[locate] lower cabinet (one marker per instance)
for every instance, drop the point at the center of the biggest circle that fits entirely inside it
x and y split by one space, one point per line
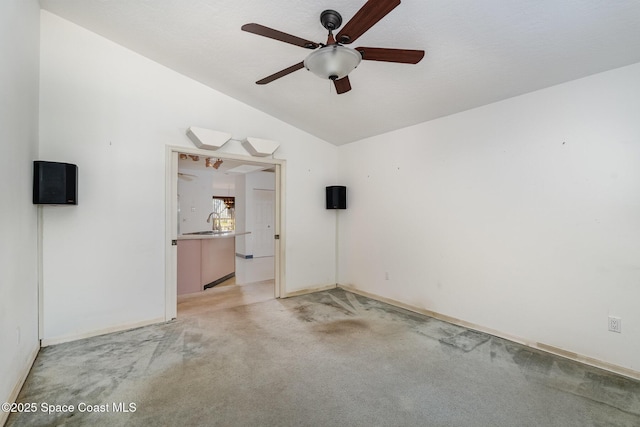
189 266
203 261
217 259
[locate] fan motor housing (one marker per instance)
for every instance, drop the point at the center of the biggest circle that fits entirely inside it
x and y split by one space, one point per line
330 19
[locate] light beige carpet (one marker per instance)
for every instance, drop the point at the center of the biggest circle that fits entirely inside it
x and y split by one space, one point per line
325 359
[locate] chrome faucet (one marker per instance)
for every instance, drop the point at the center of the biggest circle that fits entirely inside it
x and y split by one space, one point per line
217 217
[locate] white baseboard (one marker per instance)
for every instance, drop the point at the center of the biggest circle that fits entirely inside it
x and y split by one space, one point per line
309 290
18 386
539 346
74 337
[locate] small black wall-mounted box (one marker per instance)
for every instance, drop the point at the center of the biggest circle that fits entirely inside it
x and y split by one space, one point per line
337 197
55 183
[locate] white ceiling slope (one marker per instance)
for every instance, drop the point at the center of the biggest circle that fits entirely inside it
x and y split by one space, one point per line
478 52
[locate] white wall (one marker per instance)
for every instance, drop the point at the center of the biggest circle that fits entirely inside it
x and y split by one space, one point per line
19 46
106 108
521 216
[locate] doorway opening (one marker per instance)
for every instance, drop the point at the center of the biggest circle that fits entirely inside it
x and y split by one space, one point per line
224 224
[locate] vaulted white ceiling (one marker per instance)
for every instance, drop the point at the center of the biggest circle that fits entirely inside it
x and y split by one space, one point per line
477 52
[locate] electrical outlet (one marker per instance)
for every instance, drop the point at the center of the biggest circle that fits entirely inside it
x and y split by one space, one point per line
615 324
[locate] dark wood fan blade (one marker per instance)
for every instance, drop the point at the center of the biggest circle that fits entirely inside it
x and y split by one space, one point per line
342 85
365 18
279 74
404 56
261 30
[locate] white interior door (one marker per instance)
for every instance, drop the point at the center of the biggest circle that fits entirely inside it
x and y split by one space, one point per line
263 224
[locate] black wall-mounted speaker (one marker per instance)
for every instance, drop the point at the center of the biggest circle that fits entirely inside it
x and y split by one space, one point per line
337 197
55 183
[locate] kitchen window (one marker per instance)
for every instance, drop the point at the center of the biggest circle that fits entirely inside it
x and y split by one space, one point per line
224 213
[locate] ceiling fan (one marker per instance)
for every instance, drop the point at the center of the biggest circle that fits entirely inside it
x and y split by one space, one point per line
333 60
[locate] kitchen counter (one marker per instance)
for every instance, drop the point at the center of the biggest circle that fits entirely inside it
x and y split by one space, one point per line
216 235
205 260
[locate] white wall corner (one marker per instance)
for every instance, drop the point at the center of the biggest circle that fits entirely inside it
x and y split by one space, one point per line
207 139
260 147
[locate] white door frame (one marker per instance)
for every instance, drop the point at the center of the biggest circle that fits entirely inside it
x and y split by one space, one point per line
171 219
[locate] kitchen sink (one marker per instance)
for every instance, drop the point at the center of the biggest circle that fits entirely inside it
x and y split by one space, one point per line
202 233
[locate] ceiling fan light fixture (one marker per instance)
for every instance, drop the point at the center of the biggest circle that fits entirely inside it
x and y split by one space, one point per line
332 61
